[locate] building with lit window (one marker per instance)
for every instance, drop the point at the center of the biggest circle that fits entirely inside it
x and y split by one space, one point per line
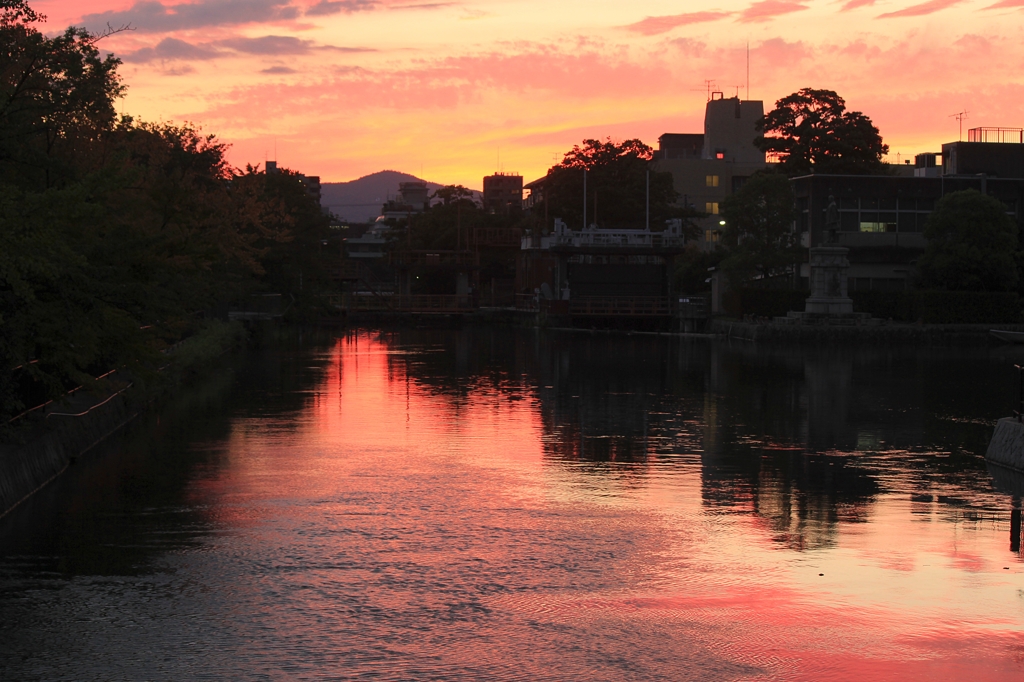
503 193
707 167
882 217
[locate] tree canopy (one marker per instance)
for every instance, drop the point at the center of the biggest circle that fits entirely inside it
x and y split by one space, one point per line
972 245
616 183
759 235
117 237
810 131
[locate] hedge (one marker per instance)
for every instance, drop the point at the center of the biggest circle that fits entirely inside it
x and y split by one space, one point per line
940 307
931 307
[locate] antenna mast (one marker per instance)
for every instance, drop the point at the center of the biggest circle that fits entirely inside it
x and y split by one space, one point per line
960 116
748 71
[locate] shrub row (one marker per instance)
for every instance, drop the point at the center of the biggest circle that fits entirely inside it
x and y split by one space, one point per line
940 307
932 307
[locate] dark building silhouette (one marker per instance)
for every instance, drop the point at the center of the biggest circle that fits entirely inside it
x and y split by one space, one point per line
882 217
503 193
707 167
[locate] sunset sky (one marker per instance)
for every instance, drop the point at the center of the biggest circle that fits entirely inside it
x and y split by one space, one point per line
343 88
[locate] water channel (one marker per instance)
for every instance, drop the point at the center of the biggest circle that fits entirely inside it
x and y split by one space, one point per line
520 505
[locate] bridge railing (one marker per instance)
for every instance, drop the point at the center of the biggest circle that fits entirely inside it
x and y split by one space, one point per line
625 306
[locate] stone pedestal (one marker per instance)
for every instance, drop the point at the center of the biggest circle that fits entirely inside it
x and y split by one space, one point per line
828 282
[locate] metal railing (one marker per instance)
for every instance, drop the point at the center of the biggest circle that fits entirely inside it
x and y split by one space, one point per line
438 257
413 303
622 306
1019 412
630 238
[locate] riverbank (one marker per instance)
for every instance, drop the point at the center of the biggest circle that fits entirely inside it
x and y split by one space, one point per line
43 443
888 333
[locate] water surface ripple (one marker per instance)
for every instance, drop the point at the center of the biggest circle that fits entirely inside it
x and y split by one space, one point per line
515 505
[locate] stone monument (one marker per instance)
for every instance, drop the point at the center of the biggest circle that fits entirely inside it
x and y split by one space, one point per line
829 302
829 266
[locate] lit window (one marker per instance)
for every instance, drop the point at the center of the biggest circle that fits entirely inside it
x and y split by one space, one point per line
711 207
712 235
711 181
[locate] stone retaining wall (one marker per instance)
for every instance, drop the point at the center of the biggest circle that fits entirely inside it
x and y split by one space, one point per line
55 443
922 334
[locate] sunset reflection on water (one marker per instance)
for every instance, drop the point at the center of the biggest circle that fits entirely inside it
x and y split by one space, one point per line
516 505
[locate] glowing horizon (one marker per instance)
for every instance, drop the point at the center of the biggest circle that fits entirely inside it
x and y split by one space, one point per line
453 91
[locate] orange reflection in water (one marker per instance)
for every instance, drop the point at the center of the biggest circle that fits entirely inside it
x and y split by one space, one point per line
437 495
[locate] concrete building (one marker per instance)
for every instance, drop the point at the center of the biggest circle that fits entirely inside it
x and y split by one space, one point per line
310 182
707 167
503 193
882 217
414 194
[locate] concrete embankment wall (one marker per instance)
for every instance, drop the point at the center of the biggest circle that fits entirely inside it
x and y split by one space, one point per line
1007 445
55 443
70 428
922 334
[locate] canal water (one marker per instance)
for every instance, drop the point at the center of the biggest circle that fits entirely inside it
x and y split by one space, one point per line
520 505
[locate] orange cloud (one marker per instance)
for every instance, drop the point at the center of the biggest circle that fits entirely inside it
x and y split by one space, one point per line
654 25
854 4
930 7
767 10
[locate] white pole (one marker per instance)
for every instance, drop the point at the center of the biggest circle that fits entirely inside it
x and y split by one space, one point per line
584 198
648 220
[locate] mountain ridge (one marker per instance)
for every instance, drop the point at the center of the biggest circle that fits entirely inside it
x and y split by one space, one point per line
361 199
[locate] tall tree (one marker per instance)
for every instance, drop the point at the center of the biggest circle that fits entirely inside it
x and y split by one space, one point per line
972 245
812 132
759 235
56 98
616 187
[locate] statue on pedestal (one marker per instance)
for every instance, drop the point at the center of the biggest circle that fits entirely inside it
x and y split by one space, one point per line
831 221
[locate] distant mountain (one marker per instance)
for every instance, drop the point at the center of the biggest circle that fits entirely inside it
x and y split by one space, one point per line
359 200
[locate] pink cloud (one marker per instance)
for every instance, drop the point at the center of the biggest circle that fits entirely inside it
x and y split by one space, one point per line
767 10
930 7
854 4
655 25
1007 4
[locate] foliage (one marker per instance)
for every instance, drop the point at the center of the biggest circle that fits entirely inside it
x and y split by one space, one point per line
812 132
117 237
616 182
971 245
692 267
759 235
940 307
764 302
449 225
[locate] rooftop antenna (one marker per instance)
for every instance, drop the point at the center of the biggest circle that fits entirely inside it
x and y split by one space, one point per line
708 84
747 90
960 116
738 90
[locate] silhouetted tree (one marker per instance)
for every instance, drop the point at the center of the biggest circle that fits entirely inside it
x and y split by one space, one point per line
812 132
616 187
759 234
972 245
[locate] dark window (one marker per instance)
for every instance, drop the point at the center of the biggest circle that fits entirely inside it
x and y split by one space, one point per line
848 204
926 204
868 204
848 222
890 221
887 204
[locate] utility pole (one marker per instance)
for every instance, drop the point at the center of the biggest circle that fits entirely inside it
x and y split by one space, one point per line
584 198
647 219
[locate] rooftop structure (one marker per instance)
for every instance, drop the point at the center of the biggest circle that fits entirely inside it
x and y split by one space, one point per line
503 193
